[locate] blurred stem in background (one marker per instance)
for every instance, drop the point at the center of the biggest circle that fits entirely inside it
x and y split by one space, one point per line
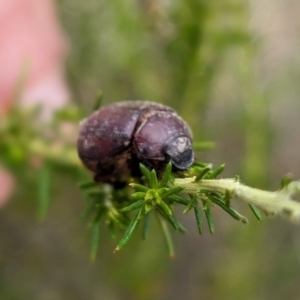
168 52
257 128
254 169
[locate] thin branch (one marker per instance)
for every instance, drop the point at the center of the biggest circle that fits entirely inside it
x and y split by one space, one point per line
277 203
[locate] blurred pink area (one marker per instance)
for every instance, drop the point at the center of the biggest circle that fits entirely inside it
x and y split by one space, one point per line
32 52
32 46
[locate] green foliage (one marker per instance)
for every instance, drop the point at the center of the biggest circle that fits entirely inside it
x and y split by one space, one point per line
22 141
125 209
35 150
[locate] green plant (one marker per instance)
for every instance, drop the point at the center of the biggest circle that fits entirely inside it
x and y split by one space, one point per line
196 189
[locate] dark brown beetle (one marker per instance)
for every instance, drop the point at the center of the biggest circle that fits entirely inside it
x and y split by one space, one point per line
115 139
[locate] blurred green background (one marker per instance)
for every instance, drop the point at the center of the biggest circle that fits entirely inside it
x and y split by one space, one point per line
231 68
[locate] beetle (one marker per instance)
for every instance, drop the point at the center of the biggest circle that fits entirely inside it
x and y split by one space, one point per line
116 138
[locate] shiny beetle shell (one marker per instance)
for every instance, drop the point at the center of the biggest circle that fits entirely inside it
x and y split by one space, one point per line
116 138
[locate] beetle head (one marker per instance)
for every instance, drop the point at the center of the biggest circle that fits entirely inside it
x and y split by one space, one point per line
180 151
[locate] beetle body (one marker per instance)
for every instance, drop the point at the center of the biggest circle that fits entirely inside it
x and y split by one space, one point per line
116 138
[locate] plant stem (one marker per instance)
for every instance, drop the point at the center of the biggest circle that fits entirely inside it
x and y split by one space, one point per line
277 203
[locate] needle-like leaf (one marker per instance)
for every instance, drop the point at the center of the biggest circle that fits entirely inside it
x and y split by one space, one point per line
168 237
229 210
146 224
213 174
166 176
129 231
202 173
190 204
256 212
153 180
138 195
145 172
165 207
209 216
179 199
94 241
133 206
98 101
285 181
198 216
139 187
172 191
171 219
